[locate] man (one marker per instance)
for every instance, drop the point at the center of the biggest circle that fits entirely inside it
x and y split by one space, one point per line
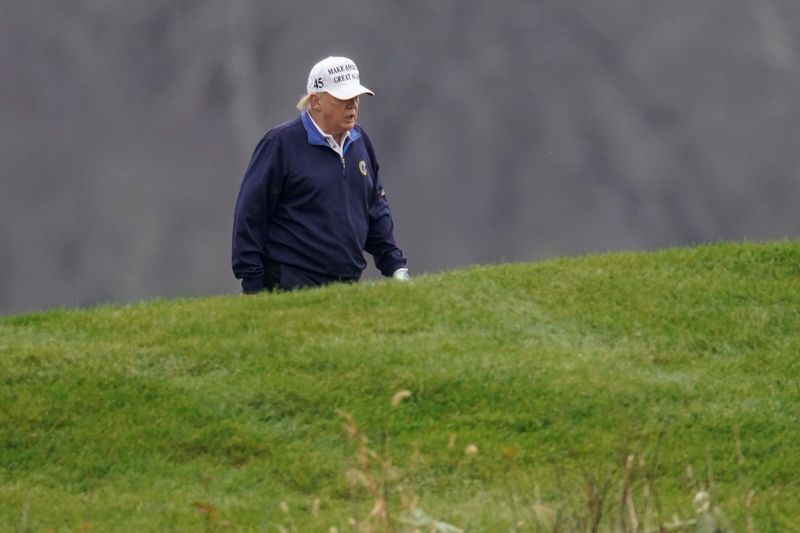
311 201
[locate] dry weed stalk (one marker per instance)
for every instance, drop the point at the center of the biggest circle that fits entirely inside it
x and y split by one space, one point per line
637 504
365 476
375 473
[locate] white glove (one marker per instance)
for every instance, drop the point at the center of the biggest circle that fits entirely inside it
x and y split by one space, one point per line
401 274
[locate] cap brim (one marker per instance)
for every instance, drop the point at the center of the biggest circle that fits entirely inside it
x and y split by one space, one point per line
346 93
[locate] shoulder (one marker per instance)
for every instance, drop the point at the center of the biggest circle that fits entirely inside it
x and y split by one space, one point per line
364 137
283 138
285 131
361 131
278 140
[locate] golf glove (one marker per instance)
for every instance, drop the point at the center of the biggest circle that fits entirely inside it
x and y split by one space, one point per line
401 274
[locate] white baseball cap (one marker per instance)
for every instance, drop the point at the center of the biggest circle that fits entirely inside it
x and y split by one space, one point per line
337 76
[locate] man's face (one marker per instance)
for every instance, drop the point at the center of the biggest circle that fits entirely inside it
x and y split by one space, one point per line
335 116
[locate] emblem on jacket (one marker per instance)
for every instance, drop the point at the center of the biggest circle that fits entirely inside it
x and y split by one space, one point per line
362 166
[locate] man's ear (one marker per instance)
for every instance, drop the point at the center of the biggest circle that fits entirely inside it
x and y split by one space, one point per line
314 101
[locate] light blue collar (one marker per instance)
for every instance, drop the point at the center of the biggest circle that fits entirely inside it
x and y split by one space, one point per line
316 138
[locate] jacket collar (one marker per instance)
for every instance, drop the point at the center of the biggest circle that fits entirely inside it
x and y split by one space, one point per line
316 138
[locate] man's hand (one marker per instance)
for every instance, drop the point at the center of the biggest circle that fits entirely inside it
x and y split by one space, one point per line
401 274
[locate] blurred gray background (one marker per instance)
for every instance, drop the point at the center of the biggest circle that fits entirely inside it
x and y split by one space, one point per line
506 130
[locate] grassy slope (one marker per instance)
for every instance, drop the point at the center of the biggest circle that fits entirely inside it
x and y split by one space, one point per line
120 418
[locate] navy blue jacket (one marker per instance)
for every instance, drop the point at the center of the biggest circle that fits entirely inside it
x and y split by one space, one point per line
301 204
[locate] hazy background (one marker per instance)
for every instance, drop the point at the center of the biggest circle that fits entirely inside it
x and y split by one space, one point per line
506 130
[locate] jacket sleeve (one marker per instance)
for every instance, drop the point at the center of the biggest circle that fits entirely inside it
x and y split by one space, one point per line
254 205
381 243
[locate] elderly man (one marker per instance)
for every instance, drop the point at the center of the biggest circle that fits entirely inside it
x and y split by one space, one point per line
311 201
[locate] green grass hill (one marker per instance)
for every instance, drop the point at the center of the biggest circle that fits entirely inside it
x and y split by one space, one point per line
658 391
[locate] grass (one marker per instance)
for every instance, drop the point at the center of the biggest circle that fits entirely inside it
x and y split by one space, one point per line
539 395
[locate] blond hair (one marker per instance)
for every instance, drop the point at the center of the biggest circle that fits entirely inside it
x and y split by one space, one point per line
303 103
